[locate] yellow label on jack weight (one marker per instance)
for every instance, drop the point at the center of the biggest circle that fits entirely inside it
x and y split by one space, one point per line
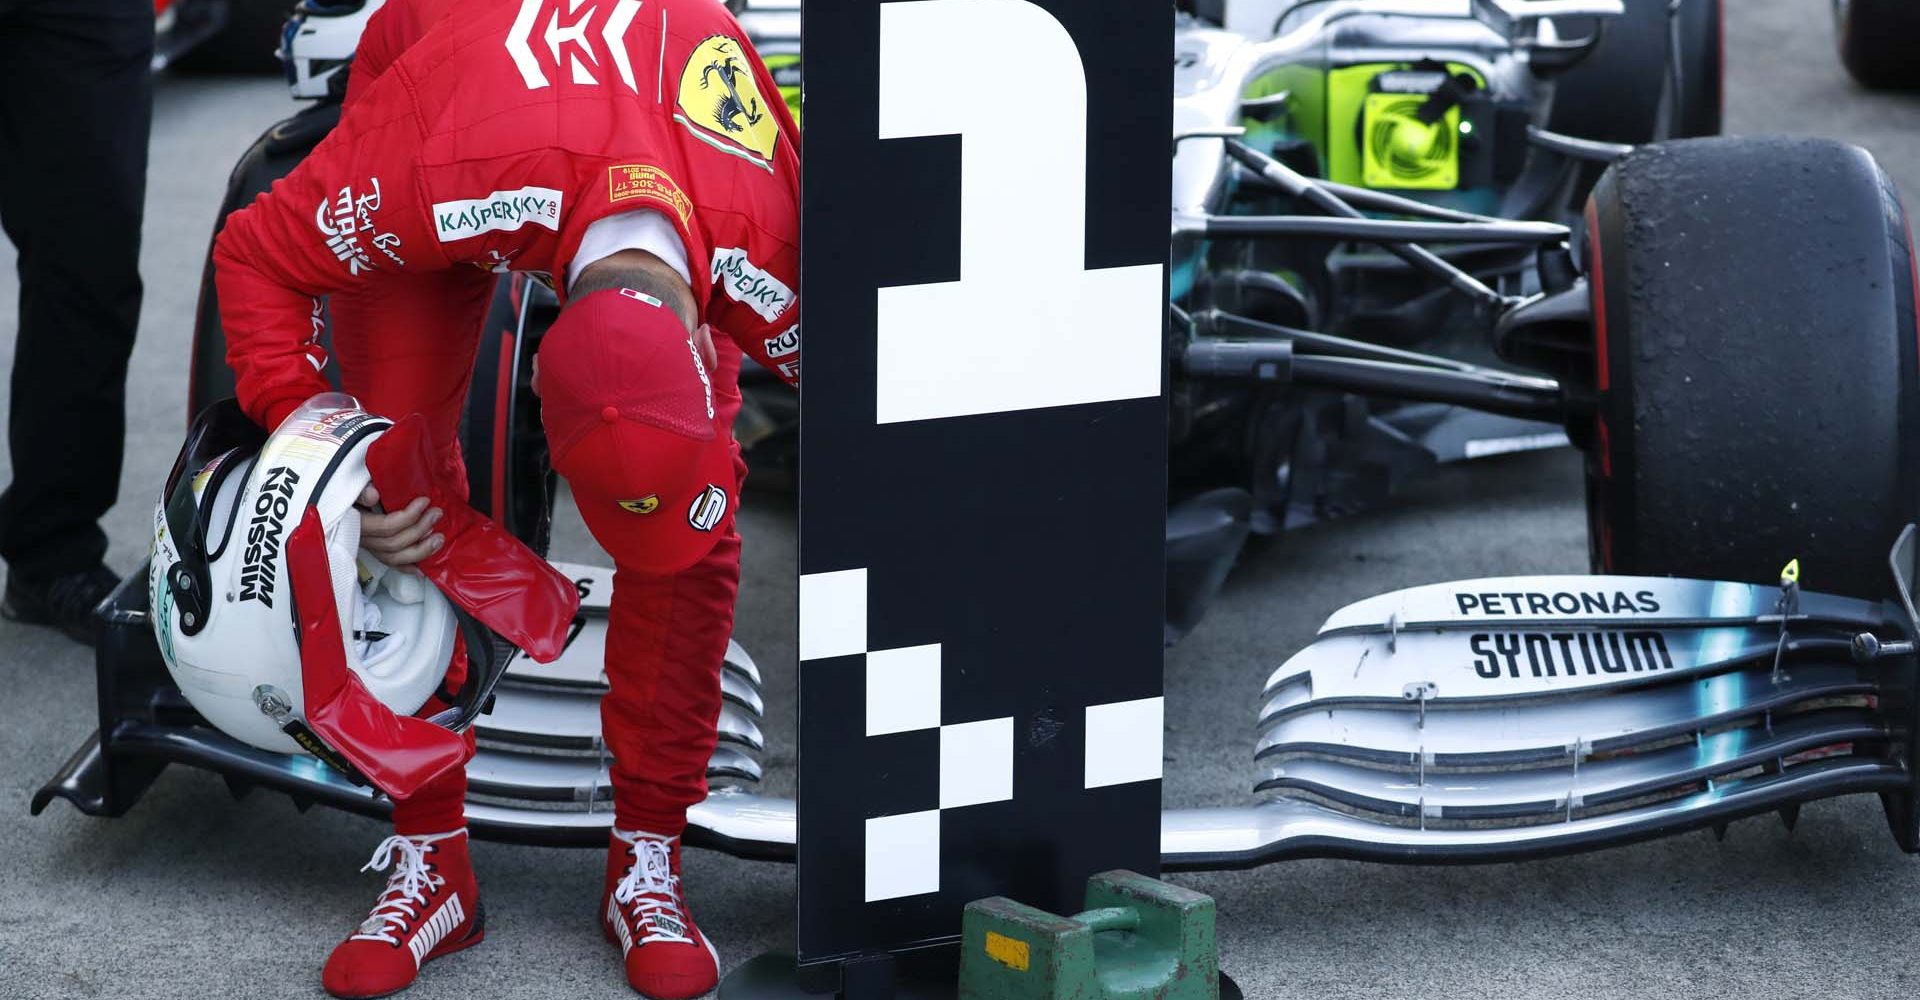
1009 952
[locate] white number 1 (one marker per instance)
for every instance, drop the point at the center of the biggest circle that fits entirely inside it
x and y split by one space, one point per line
1027 325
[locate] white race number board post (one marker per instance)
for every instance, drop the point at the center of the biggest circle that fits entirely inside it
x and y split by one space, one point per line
983 460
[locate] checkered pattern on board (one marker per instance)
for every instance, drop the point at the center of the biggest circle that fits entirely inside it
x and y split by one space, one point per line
976 757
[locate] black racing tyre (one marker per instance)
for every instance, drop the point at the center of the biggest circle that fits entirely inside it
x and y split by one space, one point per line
1703 69
502 440
1614 94
1877 41
1757 364
246 43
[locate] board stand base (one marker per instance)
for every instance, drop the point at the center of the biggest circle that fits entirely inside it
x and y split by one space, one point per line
775 976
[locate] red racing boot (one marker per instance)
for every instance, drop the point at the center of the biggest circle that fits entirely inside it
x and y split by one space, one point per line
431 908
667 957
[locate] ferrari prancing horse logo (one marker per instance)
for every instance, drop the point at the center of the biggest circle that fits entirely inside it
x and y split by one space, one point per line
720 103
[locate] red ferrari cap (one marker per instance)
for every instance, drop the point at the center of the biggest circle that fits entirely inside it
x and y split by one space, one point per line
629 413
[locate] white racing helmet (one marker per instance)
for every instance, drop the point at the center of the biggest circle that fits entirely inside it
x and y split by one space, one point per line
319 40
222 598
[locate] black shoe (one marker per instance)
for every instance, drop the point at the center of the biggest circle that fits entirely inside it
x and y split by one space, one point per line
64 602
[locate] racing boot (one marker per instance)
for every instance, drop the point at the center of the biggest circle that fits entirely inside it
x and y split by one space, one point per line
642 910
431 908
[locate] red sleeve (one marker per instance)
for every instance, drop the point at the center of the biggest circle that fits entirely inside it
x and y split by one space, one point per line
354 214
371 322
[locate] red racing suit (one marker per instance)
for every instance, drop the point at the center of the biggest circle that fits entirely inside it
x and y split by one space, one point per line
482 137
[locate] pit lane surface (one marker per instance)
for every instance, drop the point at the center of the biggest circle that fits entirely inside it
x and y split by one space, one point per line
195 895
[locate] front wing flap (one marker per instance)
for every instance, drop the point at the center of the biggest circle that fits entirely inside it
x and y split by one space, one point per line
1512 717
540 774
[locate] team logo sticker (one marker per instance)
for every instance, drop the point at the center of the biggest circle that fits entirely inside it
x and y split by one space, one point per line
720 104
497 262
164 613
650 183
747 284
645 505
259 567
785 344
499 212
578 46
707 509
347 218
336 426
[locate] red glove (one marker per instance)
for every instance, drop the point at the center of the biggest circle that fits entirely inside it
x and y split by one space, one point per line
482 568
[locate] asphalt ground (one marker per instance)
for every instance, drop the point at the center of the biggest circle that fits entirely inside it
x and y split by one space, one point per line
196 895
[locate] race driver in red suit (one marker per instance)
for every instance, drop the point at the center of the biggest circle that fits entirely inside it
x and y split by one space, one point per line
628 151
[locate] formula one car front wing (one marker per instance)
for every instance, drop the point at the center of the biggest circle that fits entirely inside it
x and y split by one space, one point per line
539 776
1484 720
1499 719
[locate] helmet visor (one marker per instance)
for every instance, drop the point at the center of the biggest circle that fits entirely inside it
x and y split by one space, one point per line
220 429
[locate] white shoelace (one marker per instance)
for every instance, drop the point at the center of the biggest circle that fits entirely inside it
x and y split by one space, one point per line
407 887
652 892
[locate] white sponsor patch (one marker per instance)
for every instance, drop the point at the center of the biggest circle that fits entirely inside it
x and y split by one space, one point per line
499 212
707 508
745 283
785 344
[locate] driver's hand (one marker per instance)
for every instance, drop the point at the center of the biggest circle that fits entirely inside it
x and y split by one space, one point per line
403 537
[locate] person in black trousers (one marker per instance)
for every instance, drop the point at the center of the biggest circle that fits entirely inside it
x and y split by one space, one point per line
76 104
